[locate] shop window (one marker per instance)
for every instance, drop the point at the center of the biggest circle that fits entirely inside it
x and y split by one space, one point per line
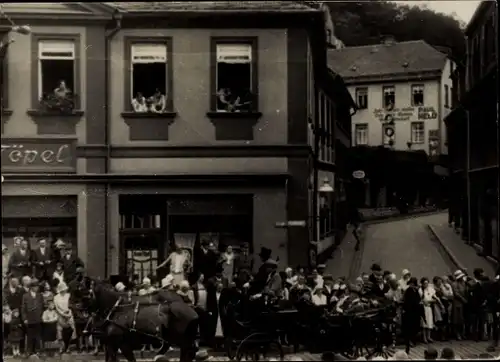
32 229
361 134
56 74
362 98
148 85
417 95
417 132
389 97
234 77
134 221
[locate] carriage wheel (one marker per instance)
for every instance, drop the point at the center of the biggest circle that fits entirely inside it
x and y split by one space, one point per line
259 345
229 345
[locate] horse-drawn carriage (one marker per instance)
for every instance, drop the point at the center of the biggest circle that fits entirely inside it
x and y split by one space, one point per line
255 328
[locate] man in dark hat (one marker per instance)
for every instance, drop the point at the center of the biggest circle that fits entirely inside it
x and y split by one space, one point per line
260 279
70 263
31 312
205 259
274 284
477 304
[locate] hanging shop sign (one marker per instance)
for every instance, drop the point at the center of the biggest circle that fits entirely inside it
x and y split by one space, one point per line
389 131
396 114
427 113
38 155
359 174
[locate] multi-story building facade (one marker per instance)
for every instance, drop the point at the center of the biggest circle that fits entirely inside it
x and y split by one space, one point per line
473 135
199 128
403 93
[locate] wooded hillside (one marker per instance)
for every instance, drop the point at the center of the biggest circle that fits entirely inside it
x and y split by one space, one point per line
369 22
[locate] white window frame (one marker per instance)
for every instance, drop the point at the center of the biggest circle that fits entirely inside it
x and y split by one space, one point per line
362 91
145 53
360 130
55 50
233 53
390 89
417 132
416 88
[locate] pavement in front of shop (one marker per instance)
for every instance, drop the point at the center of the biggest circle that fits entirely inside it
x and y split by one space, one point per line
463 349
462 255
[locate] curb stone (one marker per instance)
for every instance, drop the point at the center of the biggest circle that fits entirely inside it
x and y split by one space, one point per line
446 249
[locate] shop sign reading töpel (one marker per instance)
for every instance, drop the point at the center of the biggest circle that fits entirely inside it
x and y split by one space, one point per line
38 155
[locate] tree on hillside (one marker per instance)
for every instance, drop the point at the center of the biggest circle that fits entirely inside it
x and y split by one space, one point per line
369 22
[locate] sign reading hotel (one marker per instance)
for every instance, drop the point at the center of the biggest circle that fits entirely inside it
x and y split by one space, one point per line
38 155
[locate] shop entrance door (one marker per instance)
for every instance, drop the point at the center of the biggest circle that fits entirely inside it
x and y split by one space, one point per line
141 253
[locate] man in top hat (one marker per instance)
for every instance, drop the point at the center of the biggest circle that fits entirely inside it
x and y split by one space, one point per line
42 260
260 279
70 263
31 311
20 260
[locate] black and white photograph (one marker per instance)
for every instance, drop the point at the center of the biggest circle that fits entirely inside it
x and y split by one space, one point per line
250 181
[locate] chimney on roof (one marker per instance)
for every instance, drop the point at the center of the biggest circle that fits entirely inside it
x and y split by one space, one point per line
389 40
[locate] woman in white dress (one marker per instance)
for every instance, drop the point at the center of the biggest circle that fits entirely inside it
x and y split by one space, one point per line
228 266
428 295
65 323
177 260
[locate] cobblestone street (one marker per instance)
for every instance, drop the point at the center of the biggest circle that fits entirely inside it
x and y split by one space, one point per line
404 244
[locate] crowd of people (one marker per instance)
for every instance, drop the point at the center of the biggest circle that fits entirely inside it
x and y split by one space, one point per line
40 307
41 288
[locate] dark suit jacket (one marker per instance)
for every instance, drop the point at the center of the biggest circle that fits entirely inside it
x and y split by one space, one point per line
274 285
16 259
13 299
206 263
70 265
243 266
37 256
32 308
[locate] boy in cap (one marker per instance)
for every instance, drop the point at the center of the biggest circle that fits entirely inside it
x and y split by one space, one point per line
32 309
71 262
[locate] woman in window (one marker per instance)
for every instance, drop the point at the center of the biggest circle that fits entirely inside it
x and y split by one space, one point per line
62 91
158 102
139 103
224 98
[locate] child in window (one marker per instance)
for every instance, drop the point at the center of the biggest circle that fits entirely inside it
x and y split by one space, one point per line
139 103
16 333
49 330
158 102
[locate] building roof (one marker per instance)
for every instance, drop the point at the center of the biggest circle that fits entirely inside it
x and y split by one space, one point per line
380 59
223 6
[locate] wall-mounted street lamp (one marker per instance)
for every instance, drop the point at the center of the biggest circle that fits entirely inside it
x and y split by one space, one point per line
409 144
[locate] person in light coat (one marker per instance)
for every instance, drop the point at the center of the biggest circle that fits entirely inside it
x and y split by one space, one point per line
147 288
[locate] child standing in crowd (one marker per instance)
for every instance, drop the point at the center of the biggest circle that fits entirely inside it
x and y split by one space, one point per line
47 294
59 272
6 319
16 333
49 328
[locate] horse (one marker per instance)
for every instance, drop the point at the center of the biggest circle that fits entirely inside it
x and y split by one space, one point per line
125 323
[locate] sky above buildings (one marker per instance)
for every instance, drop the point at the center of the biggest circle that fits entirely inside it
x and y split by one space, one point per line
462 9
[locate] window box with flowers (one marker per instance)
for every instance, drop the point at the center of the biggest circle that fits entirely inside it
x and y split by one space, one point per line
56 105
234 103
